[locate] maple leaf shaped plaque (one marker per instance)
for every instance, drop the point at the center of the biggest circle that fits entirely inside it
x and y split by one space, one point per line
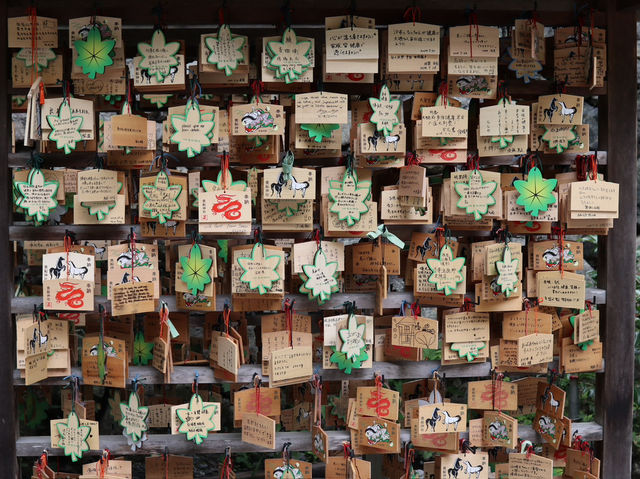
536 193
41 59
158 57
321 277
290 58
507 272
476 195
65 128
38 197
198 419
446 271
385 111
134 418
259 270
73 437
348 198
191 131
161 198
94 53
196 269
225 50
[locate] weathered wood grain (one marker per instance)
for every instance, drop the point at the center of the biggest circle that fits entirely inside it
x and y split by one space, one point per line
8 414
216 443
618 274
363 301
399 370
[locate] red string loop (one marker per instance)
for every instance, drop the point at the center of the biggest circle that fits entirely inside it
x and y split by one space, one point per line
473 22
288 311
41 465
226 314
257 87
411 14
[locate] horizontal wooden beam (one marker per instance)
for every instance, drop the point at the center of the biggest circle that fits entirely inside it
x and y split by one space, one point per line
216 443
363 301
400 370
21 159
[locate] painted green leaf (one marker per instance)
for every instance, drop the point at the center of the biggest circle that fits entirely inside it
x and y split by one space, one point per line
584 345
347 365
318 131
503 141
288 207
157 99
94 53
536 193
196 269
142 351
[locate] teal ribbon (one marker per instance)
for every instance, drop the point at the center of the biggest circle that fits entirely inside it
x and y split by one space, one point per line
383 232
172 329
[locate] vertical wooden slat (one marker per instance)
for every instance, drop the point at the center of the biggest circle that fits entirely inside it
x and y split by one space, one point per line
619 275
8 426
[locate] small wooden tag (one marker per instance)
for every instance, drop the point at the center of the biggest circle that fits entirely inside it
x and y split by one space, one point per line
369 404
527 466
550 428
499 429
129 130
535 348
132 298
379 433
443 417
497 395
259 430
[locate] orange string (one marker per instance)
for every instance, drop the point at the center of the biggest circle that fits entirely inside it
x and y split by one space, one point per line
164 318
408 460
226 314
42 465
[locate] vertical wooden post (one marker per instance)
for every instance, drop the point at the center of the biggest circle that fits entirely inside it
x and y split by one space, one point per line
619 272
8 419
